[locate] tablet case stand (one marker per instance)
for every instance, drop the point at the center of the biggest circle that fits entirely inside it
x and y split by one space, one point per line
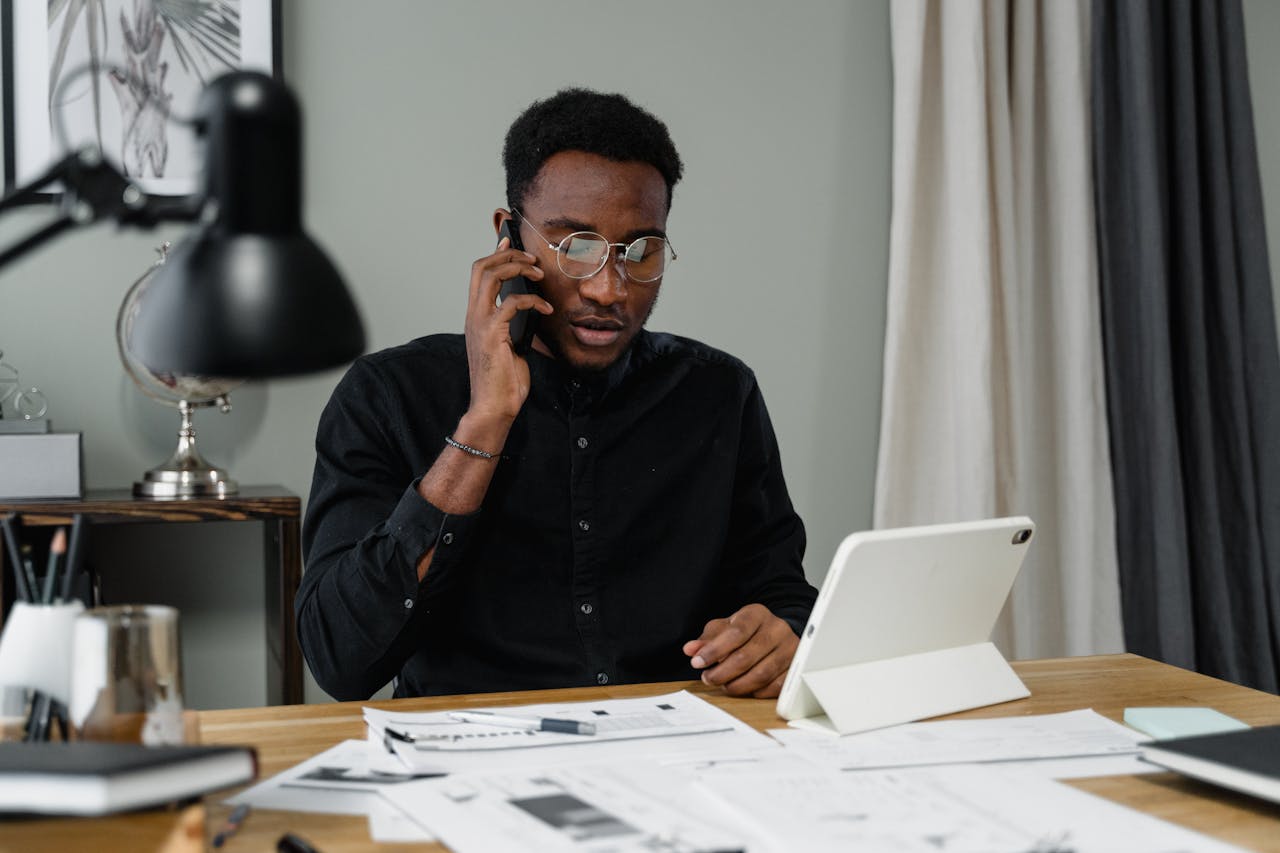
863 696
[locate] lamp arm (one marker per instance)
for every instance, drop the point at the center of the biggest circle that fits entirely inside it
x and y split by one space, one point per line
94 190
26 244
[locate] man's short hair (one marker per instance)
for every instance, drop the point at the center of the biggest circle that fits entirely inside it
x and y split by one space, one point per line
582 120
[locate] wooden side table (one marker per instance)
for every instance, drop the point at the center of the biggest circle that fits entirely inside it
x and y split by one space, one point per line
279 510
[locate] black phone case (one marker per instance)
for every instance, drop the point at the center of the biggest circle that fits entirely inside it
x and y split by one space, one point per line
522 324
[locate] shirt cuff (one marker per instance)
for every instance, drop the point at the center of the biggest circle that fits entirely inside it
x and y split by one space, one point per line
417 525
797 620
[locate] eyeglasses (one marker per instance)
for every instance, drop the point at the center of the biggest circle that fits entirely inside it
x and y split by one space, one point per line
584 253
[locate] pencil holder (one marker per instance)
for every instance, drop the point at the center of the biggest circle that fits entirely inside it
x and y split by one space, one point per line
35 648
127 678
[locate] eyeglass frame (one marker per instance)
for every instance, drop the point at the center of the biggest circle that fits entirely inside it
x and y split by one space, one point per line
559 249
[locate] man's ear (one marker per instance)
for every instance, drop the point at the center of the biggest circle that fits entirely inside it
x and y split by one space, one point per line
500 216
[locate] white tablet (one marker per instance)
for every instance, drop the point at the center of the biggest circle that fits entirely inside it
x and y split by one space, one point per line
901 628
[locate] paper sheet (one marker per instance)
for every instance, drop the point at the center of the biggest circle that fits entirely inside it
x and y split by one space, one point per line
1088 766
699 779
344 779
675 724
389 825
958 808
1073 734
615 808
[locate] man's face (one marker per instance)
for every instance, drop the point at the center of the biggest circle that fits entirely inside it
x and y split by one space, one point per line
595 318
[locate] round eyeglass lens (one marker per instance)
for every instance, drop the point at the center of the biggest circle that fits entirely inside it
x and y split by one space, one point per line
582 254
646 258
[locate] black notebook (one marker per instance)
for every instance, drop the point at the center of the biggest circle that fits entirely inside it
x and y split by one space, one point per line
1247 760
87 778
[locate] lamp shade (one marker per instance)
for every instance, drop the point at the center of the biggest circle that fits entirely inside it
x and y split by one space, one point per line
249 294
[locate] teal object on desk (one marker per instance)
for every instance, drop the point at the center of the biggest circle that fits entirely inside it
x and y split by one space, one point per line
1163 723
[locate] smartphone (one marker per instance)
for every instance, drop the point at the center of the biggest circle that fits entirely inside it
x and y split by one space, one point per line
522 324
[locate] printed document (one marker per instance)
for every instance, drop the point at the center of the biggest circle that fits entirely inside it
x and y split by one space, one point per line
1073 734
634 807
676 724
966 808
344 779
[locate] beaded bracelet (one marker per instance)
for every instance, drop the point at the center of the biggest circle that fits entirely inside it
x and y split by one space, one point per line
466 448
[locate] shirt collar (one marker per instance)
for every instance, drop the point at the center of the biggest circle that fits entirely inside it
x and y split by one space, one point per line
594 384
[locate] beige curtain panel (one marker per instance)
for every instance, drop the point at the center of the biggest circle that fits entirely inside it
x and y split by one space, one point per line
994 398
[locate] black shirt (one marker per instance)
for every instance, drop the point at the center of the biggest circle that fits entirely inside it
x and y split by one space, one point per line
627 510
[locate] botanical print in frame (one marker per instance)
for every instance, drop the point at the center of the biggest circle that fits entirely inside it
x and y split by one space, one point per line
121 75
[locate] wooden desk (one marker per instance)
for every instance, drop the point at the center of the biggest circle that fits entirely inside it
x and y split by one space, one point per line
1108 684
278 509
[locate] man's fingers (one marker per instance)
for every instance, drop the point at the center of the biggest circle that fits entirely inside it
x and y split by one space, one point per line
488 273
755 679
521 302
749 654
773 689
723 636
742 660
709 632
721 647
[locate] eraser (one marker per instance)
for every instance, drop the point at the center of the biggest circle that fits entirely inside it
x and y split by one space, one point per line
1162 723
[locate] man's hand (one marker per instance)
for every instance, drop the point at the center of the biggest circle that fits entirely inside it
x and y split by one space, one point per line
747 654
499 377
457 482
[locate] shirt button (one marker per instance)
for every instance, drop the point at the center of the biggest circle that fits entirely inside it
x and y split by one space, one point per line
582 442
408 604
586 608
602 678
584 525
447 539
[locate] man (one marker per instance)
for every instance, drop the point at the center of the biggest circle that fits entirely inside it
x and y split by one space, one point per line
607 507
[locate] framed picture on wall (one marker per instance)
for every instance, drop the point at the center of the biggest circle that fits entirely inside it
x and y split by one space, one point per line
123 75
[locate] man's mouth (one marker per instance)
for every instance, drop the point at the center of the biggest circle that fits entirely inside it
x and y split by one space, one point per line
597 331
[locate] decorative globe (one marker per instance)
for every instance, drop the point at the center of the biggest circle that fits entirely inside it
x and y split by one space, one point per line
166 387
186 473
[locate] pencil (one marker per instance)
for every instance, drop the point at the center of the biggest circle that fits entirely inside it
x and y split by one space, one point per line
33 588
74 555
9 527
57 548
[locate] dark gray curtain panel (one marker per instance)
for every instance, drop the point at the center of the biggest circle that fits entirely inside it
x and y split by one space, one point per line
1193 377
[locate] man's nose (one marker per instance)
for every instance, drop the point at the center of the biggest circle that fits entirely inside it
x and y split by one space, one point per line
607 286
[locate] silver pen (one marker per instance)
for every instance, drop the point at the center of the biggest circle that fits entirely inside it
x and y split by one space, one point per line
528 724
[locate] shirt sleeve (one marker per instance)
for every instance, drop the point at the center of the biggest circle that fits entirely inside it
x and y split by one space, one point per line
360 606
765 549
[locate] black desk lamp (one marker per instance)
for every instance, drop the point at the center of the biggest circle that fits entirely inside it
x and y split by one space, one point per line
249 294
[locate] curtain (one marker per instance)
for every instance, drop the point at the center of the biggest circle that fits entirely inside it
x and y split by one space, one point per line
994 397
1193 376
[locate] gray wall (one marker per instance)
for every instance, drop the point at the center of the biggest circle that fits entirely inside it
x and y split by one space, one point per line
782 115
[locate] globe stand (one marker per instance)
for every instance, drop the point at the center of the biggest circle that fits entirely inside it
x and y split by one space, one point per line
186 473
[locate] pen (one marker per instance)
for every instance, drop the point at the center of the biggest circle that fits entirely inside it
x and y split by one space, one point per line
529 724
290 843
229 828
